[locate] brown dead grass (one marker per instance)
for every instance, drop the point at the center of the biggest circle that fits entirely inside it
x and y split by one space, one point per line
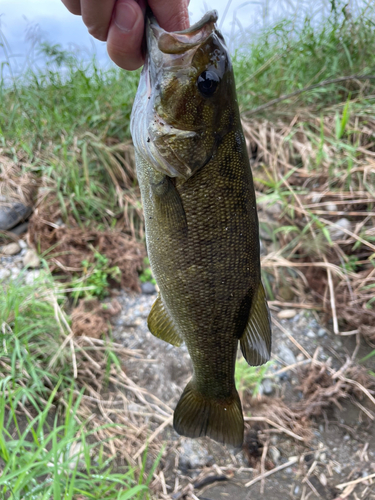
16 184
310 176
66 246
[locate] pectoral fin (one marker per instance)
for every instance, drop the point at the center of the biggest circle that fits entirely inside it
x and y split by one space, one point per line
256 340
168 203
161 324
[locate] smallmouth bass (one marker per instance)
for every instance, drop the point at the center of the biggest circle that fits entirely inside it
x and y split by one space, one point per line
202 229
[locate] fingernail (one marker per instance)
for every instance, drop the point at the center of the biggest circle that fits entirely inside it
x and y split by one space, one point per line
125 16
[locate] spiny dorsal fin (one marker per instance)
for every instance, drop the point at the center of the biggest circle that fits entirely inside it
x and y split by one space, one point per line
256 340
161 324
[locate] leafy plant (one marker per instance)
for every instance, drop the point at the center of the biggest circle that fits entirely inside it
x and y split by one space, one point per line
94 281
146 275
250 377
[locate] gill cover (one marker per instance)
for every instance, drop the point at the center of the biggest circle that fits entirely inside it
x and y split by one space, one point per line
180 113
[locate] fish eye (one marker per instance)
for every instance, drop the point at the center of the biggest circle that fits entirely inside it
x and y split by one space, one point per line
207 83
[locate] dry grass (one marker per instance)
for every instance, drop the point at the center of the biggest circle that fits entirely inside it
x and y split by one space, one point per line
315 172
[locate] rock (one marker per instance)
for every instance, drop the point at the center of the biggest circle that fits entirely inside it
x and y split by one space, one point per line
12 213
286 313
20 228
11 249
310 334
275 454
15 272
267 386
331 207
193 455
31 276
4 274
148 288
321 332
31 259
287 355
300 357
22 244
336 231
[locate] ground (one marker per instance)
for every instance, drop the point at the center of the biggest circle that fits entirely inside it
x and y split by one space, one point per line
342 444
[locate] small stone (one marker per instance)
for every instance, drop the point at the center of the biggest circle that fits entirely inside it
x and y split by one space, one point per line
346 437
336 231
310 334
193 455
323 479
321 332
300 357
331 207
316 197
273 208
289 470
267 386
11 249
337 469
287 314
296 490
22 244
323 457
31 259
15 272
287 355
31 276
148 288
4 274
275 454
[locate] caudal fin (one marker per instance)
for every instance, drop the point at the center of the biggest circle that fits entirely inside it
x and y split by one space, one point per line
221 420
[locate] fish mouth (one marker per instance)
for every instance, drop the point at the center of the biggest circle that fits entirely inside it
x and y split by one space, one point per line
177 42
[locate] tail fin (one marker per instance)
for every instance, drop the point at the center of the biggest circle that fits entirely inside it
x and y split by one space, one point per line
221 420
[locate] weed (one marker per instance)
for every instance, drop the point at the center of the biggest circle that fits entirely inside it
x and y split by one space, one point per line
94 281
146 275
250 377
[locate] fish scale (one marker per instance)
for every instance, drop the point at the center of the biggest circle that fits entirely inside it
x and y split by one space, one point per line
201 223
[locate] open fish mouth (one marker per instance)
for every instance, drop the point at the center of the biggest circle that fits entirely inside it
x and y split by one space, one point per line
177 42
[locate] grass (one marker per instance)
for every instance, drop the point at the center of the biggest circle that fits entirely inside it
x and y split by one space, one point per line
66 129
47 449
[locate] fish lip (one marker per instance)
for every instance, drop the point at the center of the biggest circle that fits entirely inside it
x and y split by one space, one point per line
175 42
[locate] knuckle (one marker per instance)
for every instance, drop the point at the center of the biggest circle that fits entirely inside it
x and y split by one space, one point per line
98 32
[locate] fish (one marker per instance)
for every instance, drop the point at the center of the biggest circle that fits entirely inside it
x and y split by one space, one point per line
202 231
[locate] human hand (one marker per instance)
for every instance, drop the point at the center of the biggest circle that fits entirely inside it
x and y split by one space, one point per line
121 24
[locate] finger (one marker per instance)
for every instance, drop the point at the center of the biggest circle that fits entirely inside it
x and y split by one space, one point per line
125 35
74 6
172 16
96 14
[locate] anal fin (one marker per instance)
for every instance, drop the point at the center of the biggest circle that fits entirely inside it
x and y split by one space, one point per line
256 340
161 324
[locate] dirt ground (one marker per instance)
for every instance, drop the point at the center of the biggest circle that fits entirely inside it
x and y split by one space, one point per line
339 445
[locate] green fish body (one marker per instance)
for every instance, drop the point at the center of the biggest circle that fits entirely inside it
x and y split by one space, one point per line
201 221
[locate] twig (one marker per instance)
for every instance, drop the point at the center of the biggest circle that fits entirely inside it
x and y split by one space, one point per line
274 424
307 89
153 436
356 481
292 461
